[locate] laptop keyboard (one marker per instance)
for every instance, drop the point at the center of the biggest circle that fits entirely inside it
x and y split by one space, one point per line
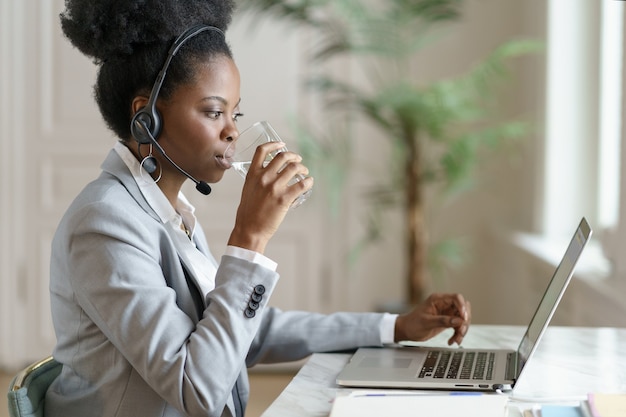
458 365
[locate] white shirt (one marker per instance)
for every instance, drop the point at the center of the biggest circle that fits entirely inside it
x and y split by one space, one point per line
182 217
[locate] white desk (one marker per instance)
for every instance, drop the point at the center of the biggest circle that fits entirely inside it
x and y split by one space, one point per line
569 363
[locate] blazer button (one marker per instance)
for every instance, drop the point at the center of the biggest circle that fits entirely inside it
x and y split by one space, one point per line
253 305
256 297
259 289
249 313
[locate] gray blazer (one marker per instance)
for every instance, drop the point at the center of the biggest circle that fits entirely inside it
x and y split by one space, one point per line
135 335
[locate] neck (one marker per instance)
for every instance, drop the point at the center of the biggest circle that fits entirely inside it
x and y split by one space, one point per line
170 185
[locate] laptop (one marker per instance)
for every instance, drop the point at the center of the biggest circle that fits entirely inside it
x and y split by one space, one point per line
459 368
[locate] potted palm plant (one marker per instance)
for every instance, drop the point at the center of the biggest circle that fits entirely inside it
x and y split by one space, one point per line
438 131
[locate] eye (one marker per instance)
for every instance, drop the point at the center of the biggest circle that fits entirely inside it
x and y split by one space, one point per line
214 114
236 116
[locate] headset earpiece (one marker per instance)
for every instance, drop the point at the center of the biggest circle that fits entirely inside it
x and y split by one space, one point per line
142 120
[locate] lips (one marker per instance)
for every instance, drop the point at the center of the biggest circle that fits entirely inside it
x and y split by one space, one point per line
226 159
224 162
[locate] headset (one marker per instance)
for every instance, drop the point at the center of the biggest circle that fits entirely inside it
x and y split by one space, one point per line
145 125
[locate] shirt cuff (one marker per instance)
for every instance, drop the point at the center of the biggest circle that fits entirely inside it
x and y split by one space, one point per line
388 328
251 256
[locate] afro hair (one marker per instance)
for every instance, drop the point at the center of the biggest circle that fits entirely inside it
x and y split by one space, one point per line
129 40
102 29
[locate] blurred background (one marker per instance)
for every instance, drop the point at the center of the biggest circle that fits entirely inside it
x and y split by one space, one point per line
513 223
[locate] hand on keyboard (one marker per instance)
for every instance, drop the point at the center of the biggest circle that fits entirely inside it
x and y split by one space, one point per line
437 313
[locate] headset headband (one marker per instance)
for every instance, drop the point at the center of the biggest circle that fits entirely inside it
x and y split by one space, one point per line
178 43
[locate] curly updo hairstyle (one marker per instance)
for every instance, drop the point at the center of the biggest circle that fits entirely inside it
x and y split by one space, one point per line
129 41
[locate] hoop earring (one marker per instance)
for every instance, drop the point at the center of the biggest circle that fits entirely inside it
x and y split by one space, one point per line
149 164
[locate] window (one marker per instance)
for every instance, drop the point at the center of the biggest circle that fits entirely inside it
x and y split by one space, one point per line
611 96
583 116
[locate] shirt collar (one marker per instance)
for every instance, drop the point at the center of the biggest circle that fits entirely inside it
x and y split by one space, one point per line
153 194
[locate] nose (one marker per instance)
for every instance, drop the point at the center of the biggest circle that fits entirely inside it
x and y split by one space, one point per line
231 133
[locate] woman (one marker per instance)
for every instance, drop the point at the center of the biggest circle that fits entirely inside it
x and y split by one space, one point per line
148 323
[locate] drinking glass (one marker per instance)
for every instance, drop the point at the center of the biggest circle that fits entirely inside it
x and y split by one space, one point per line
245 146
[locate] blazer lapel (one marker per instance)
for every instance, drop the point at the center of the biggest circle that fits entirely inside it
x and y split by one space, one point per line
200 268
199 265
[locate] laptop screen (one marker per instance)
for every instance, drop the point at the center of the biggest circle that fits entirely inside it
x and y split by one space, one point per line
553 294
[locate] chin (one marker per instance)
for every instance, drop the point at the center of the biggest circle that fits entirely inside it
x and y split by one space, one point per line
215 178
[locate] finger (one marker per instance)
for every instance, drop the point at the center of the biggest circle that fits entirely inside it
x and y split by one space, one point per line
454 304
304 181
443 322
461 331
461 306
292 168
299 188
451 321
262 152
281 161
457 336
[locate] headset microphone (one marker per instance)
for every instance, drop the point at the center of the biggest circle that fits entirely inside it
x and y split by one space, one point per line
201 186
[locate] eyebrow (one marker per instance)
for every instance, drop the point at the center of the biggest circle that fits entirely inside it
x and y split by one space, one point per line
220 99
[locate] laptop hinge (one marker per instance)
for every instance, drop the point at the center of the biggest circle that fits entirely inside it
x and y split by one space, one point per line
511 366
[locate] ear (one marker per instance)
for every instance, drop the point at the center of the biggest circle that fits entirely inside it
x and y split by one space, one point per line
138 103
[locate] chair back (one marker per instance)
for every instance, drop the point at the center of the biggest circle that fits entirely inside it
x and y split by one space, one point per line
27 391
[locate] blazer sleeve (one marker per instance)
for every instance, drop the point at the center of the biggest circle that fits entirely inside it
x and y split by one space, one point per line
292 335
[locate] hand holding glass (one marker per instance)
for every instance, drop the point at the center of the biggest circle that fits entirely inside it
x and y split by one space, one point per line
245 146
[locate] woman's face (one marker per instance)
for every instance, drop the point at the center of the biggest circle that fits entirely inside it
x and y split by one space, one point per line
199 120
